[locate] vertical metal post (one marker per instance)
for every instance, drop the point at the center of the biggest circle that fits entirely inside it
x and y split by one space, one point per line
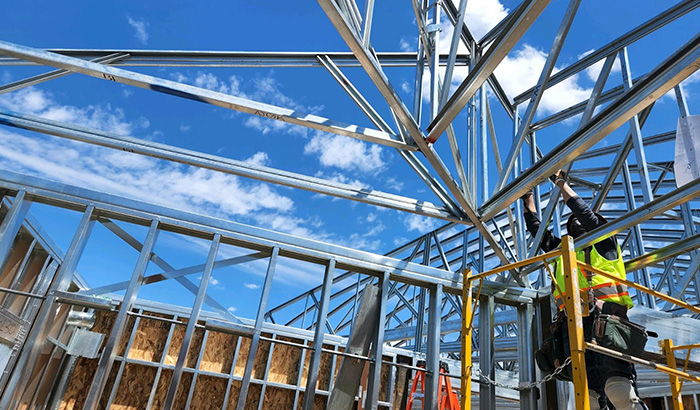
434 29
262 307
432 356
367 26
487 392
191 323
11 224
375 373
484 144
467 313
676 398
572 302
526 368
454 45
310 391
42 324
636 133
110 351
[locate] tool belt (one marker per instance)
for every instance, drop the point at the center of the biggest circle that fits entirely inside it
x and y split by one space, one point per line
619 334
551 353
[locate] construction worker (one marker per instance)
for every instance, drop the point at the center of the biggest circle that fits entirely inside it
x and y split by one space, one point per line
610 380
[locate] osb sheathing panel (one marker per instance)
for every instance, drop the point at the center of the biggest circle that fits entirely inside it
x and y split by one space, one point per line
149 341
242 357
134 387
81 380
219 352
278 398
162 390
284 364
324 368
384 380
121 348
208 393
319 402
176 343
252 399
262 356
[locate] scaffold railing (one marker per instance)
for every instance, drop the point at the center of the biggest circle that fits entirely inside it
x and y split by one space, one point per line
575 311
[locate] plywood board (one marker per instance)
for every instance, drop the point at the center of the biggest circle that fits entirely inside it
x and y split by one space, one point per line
208 393
162 390
242 357
149 341
176 344
278 398
261 359
284 365
219 352
134 387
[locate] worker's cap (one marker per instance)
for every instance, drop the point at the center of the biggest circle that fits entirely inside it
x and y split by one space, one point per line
574 227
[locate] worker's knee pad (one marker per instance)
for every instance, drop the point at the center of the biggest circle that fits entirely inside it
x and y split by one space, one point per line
593 398
621 394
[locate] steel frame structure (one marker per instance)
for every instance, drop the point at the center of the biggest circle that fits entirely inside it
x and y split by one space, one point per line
655 222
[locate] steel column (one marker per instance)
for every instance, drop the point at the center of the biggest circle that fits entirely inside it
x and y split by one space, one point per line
321 316
487 391
42 323
375 373
110 350
262 307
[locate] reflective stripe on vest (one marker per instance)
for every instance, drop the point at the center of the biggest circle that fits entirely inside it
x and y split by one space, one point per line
604 289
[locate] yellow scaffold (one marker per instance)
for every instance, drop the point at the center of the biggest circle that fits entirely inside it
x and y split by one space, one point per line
575 313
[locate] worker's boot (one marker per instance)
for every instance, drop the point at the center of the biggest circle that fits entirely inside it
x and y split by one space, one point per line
621 394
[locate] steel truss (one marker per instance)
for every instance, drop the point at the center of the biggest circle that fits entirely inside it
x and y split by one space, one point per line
656 223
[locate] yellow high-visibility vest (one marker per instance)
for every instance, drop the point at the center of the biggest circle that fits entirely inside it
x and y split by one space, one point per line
604 288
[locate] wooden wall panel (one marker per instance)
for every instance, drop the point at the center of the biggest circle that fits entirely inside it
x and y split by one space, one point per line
208 393
134 387
284 366
150 339
219 352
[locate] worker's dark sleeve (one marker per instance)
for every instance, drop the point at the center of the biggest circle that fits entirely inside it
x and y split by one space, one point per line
549 241
607 247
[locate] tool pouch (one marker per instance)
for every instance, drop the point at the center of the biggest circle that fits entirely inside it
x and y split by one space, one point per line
616 333
550 356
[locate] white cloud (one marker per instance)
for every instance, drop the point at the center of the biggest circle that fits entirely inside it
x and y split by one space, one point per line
343 179
593 71
405 45
41 103
185 128
345 153
694 78
421 224
394 184
140 26
483 15
521 70
400 240
231 309
259 158
251 286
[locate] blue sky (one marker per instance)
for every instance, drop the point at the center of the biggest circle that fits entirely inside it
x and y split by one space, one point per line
276 26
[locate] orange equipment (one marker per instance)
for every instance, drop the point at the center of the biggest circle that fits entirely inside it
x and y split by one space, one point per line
447 399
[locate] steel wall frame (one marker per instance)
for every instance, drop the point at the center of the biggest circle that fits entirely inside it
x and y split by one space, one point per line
428 262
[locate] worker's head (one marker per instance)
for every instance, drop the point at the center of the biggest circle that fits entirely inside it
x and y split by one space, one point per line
574 227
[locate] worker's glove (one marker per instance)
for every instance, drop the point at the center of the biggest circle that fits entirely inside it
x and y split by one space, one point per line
559 175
